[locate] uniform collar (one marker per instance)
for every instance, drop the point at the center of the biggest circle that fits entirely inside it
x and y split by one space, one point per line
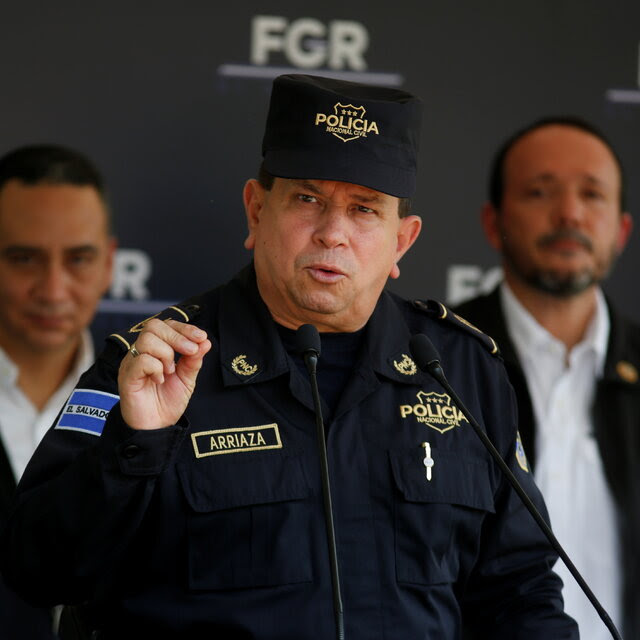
387 342
250 347
251 350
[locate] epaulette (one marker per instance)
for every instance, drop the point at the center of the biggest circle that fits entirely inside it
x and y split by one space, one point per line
182 312
437 310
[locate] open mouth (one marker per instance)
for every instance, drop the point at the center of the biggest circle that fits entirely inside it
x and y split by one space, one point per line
324 273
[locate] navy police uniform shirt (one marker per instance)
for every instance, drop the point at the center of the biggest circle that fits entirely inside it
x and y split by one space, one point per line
214 527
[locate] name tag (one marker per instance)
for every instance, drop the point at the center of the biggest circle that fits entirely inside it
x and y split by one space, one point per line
236 440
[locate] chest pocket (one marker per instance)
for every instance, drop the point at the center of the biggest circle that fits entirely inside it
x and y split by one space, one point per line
438 522
247 517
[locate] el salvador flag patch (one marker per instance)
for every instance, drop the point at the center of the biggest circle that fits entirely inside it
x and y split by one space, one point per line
86 411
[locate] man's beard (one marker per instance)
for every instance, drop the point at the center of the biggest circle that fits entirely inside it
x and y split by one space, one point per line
559 283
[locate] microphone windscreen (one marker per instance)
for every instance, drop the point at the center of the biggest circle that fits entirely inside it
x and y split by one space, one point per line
423 351
308 339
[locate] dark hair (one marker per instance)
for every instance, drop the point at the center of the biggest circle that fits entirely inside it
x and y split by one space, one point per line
52 164
496 177
266 180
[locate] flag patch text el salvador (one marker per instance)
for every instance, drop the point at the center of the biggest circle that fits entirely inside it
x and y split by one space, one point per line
86 411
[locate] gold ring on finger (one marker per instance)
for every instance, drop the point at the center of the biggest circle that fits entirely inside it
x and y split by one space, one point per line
133 351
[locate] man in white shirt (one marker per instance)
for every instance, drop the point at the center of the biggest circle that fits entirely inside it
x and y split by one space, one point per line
56 257
556 215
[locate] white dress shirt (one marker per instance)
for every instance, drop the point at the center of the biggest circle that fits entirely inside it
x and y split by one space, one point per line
568 467
22 426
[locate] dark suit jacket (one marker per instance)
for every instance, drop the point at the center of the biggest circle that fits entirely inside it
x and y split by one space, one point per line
616 423
7 483
17 618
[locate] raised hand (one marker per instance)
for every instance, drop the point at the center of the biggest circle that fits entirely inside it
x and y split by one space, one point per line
154 388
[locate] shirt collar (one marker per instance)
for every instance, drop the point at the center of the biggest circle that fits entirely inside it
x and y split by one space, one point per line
598 331
85 356
528 335
8 370
83 360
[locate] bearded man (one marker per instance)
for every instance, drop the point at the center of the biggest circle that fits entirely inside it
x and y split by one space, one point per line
557 216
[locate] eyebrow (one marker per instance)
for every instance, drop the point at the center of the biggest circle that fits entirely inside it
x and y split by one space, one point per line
362 197
550 177
18 248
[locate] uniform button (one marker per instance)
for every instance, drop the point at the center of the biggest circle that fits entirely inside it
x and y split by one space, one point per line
131 451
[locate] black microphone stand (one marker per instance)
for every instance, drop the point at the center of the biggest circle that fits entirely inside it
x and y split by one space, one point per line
309 346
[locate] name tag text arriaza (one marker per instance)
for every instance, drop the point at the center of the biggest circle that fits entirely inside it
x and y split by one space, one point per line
236 440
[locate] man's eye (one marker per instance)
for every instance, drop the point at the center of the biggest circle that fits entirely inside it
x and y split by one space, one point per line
363 209
80 259
21 258
593 194
307 198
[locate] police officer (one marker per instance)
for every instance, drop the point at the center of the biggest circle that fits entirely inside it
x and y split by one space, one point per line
176 510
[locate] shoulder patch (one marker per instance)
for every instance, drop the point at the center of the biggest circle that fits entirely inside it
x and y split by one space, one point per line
181 312
86 410
437 310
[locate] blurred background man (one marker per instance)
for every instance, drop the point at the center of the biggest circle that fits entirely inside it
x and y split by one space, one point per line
556 215
56 257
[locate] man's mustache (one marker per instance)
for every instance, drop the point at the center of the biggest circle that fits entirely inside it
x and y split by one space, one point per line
566 234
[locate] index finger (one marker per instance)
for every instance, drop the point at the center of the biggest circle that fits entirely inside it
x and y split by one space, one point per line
182 337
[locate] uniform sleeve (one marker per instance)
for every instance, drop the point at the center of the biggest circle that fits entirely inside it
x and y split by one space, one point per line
82 498
512 593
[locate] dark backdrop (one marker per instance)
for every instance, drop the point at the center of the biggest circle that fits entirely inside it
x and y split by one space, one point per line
170 101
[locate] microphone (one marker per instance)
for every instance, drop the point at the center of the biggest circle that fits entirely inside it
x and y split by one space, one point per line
427 358
308 345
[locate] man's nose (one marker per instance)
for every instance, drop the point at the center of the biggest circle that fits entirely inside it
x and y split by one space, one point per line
569 208
332 227
53 282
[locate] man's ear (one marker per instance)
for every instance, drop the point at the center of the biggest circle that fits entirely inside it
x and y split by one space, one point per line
253 198
408 232
112 246
489 220
626 226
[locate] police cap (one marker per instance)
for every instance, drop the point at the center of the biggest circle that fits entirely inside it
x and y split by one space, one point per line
326 129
